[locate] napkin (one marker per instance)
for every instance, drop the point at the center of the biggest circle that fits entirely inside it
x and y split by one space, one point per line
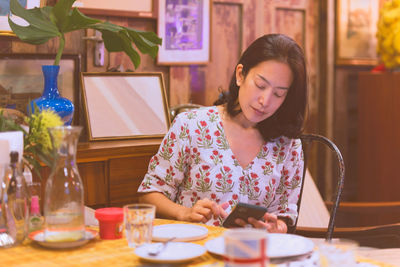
16 143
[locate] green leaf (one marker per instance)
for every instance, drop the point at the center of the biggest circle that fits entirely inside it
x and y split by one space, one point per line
76 21
30 34
34 17
61 11
106 26
118 42
144 45
151 36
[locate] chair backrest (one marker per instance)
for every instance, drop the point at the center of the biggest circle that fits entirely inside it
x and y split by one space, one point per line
175 110
307 140
313 211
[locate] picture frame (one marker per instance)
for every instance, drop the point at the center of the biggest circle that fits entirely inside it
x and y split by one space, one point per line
356 26
21 79
125 105
5 29
184 27
120 8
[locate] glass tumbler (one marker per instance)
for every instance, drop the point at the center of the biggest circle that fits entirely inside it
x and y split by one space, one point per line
138 220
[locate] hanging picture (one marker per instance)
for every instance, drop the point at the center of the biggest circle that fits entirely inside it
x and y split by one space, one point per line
356 26
5 12
184 26
118 8
21 79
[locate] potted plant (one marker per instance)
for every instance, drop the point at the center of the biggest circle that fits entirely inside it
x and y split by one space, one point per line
37 143
50 22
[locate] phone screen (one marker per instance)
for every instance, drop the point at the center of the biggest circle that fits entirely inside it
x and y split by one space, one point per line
244 211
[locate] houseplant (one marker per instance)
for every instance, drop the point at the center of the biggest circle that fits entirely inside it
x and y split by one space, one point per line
37 143
50 22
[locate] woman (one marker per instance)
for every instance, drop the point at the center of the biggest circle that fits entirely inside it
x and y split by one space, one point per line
244 150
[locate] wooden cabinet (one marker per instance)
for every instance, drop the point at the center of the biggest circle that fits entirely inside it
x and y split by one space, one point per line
111 171
378 136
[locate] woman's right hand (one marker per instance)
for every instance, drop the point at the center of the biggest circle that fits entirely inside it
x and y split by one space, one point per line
203 211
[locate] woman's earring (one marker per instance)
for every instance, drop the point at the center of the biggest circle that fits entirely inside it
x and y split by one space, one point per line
237 82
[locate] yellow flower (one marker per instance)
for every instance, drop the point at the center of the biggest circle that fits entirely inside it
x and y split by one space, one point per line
39 123
388 34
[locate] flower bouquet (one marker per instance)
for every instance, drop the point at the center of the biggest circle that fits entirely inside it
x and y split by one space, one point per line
37 143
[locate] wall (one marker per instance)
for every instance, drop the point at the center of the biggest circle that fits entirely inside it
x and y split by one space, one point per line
235 24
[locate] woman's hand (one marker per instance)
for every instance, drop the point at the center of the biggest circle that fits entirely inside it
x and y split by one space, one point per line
271 223
203 211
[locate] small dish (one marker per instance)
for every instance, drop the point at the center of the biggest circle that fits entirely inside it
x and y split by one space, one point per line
38 237
181 232
173 252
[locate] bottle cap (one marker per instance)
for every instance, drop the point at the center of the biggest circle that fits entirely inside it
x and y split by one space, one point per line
109 214
35 205
14 157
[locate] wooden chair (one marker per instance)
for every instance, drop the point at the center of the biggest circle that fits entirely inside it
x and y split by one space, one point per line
316 221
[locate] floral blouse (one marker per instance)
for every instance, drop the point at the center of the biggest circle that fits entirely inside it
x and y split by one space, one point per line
195 162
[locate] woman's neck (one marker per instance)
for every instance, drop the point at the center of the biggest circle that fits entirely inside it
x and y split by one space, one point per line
239 119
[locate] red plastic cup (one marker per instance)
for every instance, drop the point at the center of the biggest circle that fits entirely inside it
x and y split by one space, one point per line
110 222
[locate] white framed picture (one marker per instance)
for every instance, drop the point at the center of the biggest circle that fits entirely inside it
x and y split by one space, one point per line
184 26
125 105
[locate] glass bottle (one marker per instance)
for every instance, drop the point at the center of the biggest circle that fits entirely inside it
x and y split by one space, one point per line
63 200
14 205
35 218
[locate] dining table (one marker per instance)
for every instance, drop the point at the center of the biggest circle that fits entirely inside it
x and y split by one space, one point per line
116 252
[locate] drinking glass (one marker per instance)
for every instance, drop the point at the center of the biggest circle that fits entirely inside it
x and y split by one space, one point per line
337 252
245 247
138 219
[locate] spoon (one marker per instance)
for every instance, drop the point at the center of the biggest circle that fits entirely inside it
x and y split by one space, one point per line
157 248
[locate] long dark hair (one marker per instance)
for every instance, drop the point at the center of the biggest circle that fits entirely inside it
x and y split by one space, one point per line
288 120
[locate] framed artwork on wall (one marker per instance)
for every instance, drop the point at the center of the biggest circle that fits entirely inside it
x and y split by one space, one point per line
184 26
21 79
356 26
5 12
124 105
120 8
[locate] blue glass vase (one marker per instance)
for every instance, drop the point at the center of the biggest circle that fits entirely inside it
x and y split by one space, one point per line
51 98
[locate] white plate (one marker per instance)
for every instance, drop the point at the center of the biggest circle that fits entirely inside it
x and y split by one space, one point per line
279 245
173 252
38 237
181 232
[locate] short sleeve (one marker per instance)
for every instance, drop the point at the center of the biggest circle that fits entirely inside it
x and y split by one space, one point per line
168 167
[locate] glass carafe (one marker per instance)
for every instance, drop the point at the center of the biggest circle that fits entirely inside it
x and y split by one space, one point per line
64 200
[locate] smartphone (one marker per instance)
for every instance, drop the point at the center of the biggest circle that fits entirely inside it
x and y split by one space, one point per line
243 211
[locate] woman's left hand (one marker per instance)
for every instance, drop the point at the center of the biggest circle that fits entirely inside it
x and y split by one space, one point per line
271 223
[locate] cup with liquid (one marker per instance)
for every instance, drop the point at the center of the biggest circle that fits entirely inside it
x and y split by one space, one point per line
138 220
246 247
338 252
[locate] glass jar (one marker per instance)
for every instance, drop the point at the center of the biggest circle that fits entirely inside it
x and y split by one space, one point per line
64 201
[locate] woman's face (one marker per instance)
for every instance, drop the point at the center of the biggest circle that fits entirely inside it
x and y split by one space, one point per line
263 90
